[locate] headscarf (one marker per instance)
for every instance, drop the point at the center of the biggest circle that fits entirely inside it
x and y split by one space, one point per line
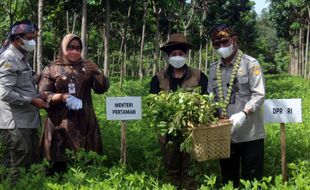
18 29
61 58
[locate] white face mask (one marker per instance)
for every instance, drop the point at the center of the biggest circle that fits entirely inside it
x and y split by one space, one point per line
225 51
29 45
177 61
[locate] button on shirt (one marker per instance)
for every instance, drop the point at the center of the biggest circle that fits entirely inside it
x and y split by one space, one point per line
248 92
17 88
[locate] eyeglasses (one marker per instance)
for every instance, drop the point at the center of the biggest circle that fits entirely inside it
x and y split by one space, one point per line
218 43
72 47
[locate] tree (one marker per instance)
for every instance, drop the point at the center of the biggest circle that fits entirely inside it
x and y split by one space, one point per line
290 20
142 40
107 37
84 29
39 38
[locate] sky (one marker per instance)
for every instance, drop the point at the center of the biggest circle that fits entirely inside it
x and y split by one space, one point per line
260 5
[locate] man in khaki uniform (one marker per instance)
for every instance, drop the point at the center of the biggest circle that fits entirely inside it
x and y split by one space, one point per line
19 101
237 81
177 75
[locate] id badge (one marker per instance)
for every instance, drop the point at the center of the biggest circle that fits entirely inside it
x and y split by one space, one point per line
71 88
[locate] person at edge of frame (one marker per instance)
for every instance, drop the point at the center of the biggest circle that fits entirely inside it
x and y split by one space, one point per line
19 100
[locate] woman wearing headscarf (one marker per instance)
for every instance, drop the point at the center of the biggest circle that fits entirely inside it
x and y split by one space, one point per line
71 121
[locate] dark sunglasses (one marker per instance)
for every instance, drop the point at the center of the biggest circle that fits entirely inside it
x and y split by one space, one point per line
219 43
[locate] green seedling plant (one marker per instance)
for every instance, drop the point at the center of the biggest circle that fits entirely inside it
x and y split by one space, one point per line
182 111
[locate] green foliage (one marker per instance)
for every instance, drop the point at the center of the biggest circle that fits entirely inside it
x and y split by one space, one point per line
298 143
144 169
173 112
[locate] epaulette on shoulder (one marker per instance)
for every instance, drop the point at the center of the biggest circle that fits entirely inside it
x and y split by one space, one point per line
248 58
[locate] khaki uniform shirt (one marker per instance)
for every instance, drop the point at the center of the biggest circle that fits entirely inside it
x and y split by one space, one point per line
248 93
17 88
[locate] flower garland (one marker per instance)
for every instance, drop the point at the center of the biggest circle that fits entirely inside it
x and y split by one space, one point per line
231 81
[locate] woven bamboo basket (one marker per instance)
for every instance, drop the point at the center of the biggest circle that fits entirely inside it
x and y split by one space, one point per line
211 142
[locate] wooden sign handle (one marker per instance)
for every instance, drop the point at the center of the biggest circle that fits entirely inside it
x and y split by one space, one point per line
283 152
123 143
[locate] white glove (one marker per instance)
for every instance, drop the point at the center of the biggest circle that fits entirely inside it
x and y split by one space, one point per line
238 119
74 103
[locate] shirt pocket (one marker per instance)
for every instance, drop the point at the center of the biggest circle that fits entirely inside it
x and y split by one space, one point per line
23 78
244 85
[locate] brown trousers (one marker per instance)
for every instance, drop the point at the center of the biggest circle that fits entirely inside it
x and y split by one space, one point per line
177 163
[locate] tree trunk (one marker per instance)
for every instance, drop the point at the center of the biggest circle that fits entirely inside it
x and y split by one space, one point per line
302 56
200 56
84 30
157 12
107 38
307 44
187 24
299 68
291 58
125 59
98 55
113 65
200 36
39 37
67 16
206 62
123 42
212 55
142 42
296 62
34 60
74 21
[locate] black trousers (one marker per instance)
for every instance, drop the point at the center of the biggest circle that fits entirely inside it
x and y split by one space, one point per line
21 150
248 155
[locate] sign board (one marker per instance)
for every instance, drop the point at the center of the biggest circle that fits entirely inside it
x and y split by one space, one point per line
283 111
123 108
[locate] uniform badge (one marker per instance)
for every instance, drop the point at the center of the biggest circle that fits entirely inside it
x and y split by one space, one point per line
7 65
240 72
256 70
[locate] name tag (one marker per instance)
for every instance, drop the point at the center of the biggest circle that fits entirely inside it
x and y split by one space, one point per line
71 88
